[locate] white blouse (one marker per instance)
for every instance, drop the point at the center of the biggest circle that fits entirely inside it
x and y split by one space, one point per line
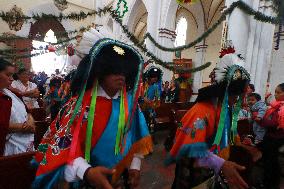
30 102
17 142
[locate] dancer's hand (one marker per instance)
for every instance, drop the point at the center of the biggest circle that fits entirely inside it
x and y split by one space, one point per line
231 173
134 178
97 176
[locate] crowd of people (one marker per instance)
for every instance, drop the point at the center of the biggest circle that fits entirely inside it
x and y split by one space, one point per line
102 119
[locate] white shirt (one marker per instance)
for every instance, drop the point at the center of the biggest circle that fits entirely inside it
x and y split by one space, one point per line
78 167
17 142
32 102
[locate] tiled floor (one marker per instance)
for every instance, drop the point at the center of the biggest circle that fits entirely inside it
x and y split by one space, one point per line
154 174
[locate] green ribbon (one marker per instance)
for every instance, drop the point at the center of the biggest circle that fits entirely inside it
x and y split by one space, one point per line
90 125
77 106
222 119
234 127
121 124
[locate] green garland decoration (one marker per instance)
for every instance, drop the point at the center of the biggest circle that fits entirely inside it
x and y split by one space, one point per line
71 16
118 8
278 7
11 56
238 4
168 65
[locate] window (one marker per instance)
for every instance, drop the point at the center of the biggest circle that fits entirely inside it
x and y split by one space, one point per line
181 32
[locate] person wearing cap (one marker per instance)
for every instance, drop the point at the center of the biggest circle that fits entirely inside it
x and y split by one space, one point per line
100 135
209 128
151 94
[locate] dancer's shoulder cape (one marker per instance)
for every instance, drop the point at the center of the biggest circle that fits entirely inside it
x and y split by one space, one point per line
197 131
54 151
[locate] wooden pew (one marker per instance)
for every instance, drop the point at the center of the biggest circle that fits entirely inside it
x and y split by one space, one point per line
16 171
41 128
164 113
39 114
176 117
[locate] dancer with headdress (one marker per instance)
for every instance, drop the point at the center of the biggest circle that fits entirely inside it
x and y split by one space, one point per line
151 94
209 128
100 135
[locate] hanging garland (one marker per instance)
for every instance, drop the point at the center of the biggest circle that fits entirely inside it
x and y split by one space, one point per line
278 7
238 4
71 16
61 4
168 65
186 1
10 56
125 8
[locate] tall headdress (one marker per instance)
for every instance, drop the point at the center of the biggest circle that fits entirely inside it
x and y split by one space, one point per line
97 48
230 76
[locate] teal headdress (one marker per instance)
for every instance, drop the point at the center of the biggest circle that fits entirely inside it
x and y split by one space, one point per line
115 49
230 71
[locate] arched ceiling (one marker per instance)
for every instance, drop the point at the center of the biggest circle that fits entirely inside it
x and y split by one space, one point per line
209 10
140 22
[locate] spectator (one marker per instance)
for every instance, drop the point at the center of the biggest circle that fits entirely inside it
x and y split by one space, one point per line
165 90
173 94
274 138
258 109
244 112
26 88
16 124
64 91
250 88
52 97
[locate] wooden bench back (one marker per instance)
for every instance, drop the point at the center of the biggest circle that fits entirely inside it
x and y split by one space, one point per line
41 128
16 171
39 114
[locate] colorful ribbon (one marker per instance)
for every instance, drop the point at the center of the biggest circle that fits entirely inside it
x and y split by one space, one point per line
90 125
123 118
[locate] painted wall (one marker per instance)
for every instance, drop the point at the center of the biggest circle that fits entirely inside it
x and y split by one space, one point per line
48 7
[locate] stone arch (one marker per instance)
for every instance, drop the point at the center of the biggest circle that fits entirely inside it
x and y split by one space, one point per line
46 8
42 26
138 8
170 20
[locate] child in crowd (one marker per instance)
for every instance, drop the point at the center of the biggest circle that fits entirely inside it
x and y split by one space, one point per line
244 112
258 110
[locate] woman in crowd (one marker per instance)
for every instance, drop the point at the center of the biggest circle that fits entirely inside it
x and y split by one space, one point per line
165 90
52 97
17 126
99 135
26 88
173 94
273 121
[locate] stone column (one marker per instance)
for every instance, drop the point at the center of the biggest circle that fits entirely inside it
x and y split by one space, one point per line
152 23
238 27
253 40
260 48
198 61
167 40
